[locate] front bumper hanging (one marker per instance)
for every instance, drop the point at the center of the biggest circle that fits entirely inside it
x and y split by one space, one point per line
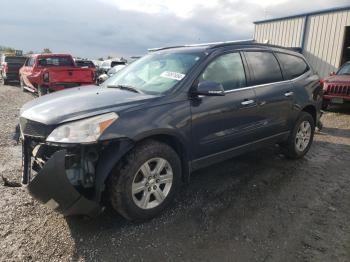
52 187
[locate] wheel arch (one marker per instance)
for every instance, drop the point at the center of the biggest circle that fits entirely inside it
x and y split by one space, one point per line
312 111
176 143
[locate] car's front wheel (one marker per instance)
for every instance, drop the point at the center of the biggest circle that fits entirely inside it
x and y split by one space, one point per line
145 182
42 90
301 137
21 82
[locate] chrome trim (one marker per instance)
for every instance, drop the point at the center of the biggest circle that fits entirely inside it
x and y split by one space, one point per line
262 85
247 102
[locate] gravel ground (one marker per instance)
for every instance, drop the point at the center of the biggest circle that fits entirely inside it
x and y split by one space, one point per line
257 207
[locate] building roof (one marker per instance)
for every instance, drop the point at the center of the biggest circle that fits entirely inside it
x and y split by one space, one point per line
323 11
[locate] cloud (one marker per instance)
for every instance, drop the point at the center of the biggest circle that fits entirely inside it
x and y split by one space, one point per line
94 28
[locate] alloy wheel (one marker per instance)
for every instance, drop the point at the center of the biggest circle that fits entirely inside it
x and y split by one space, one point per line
303 136
152 183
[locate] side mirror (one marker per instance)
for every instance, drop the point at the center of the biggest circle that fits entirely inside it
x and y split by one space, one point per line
332 74
209 88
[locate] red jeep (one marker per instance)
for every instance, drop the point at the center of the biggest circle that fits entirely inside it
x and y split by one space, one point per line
336 87
46 73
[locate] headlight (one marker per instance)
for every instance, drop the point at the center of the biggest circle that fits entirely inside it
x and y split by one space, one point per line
82 131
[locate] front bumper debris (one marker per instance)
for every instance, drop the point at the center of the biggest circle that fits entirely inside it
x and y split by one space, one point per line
52 187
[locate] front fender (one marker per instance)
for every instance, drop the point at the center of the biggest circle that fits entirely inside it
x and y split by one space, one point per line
108 159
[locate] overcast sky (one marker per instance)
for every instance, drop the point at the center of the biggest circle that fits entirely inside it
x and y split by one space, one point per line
95 28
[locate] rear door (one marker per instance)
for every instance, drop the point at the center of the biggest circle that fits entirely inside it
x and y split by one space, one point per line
273 93
220 123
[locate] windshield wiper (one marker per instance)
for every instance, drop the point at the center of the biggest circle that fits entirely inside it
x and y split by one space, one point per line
125 87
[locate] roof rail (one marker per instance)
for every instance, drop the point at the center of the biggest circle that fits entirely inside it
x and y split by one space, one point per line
210 45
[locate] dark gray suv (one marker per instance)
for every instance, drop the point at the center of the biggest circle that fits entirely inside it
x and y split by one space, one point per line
132 141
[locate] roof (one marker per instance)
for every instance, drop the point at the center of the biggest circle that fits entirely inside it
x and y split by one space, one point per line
49 55
323 11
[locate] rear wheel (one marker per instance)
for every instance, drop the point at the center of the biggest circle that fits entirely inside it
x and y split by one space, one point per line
42 90
301 137
146 181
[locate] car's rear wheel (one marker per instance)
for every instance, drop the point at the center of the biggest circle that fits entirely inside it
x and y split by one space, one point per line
146 181
301 137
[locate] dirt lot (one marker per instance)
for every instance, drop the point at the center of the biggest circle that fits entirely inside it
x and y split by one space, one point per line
257 207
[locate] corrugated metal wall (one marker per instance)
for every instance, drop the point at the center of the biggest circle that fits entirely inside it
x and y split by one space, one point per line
284 32
324 40
324 37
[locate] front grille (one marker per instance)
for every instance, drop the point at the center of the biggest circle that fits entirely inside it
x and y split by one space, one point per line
34 129
339 89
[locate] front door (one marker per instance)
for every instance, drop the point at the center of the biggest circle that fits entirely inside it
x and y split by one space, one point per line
220 123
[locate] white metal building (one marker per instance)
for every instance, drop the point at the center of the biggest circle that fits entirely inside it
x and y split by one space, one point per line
323 36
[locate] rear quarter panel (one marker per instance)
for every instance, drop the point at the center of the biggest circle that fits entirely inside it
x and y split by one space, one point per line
307 91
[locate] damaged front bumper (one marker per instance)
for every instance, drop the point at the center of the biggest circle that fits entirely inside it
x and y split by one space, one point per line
52 187
61 178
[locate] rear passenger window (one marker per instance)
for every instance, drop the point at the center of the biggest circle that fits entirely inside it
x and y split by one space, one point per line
265 67
293 66
227 70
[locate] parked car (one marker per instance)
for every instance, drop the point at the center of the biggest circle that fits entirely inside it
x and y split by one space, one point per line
108 64
47 73
9 67
336 87
111 72
84 63
133 140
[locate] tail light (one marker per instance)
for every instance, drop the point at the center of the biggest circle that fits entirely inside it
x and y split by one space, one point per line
5 67
46 77
93 75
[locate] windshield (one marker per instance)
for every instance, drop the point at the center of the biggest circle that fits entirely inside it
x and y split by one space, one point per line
55 61
345 70
155 73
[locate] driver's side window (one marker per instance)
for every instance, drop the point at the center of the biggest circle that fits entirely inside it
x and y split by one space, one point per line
227 70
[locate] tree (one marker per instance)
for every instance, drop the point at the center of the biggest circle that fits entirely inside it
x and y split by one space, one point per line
30 52
46 51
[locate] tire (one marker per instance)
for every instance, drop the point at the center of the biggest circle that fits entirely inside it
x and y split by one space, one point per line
128 175
325 105
299 140
42 91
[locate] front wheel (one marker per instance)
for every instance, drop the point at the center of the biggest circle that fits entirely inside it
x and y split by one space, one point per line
21 82
146 181
42 90
301 137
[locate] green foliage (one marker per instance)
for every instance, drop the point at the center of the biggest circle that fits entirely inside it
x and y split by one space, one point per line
46 51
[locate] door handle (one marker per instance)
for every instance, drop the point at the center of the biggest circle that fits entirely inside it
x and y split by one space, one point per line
247 102
288 94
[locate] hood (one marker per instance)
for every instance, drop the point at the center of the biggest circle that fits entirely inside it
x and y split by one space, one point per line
80 102
338 79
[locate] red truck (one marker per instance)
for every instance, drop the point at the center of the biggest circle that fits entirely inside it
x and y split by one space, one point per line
336 87
45 73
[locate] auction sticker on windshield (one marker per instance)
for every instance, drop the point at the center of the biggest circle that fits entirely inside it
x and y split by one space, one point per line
172 75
